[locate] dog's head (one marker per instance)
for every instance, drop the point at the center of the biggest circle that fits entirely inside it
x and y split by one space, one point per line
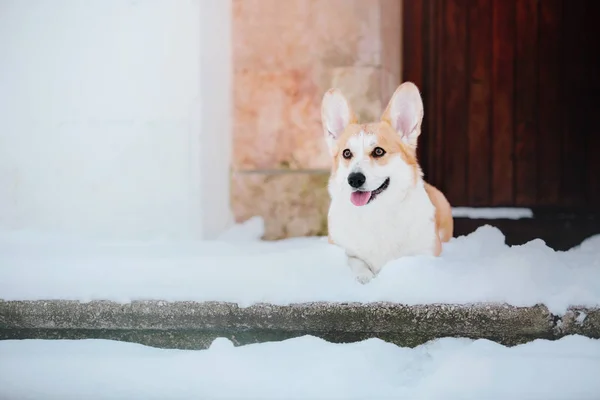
376 159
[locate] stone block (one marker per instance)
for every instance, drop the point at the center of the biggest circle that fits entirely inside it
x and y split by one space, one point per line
292 204
277 121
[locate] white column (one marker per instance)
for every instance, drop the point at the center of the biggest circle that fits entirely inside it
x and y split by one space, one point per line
216 99
115 117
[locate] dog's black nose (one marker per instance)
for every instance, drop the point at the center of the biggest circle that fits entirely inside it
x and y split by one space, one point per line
356 179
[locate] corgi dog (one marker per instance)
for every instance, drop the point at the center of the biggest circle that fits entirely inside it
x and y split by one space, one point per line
381 209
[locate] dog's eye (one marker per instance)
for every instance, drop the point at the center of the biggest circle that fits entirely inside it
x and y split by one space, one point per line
347 154
378 152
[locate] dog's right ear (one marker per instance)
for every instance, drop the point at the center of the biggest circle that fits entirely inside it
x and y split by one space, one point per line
336 114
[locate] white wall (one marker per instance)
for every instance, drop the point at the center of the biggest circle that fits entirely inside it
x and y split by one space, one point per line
115 117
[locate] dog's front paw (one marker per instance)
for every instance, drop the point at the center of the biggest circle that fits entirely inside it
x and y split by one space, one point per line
364 277
361 269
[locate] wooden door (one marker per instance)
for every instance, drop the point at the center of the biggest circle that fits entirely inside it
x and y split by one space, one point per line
511 94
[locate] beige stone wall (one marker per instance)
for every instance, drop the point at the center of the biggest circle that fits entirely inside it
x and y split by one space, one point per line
287 53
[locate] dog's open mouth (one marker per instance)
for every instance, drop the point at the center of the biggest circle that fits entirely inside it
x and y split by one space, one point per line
360 198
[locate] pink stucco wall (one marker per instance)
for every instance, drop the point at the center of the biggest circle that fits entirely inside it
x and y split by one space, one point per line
286 55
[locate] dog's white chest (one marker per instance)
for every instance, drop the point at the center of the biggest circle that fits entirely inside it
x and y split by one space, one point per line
383 231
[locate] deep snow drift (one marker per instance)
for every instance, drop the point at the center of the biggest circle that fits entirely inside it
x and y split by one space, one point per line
301 368
241 268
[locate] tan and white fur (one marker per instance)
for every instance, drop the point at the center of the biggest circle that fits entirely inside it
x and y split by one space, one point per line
381 209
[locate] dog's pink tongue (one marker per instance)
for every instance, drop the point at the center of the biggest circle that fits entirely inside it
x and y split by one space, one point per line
360 198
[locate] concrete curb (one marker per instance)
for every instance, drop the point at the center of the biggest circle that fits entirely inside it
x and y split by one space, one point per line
191 325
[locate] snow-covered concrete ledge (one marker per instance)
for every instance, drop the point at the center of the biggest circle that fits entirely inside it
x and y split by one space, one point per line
492 212
184 294
194 325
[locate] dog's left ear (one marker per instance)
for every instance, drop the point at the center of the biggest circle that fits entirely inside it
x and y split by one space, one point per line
405 113
336 115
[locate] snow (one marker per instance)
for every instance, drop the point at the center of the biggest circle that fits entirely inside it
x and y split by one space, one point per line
242 269
250 230
301 368
492 212
581 317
